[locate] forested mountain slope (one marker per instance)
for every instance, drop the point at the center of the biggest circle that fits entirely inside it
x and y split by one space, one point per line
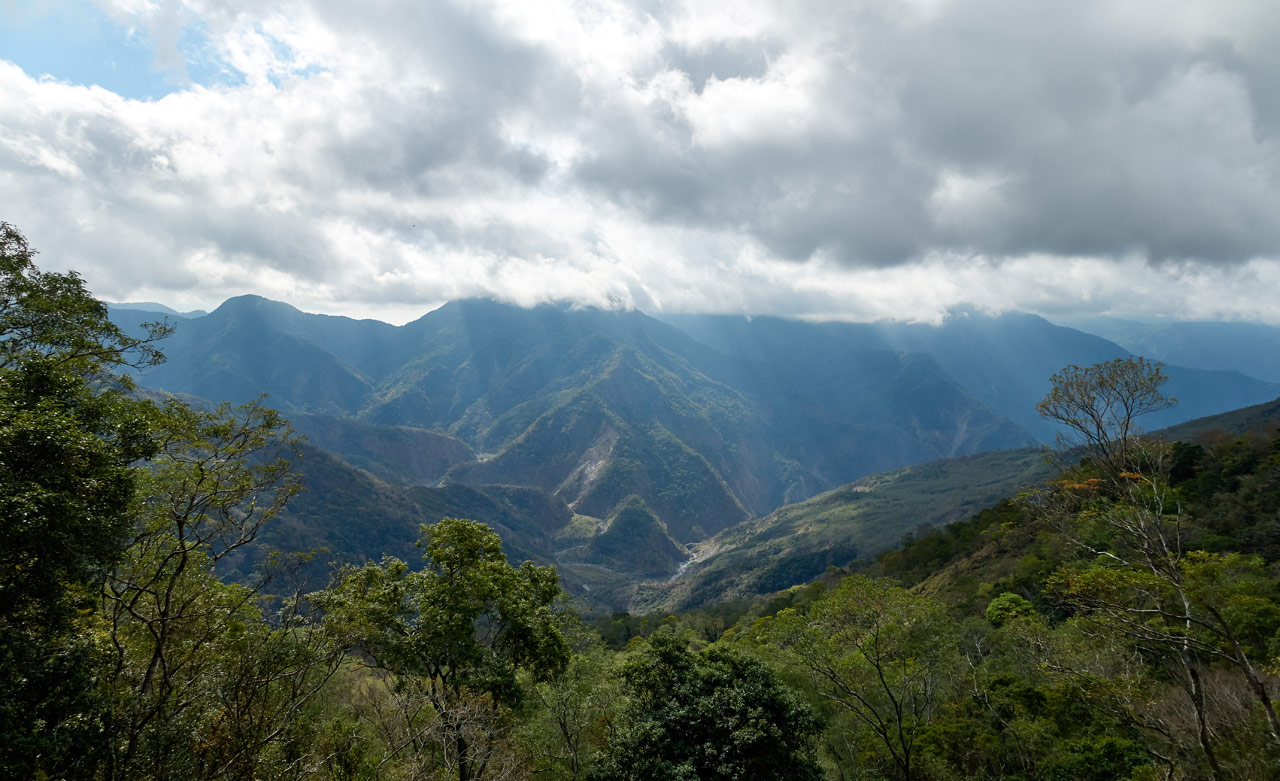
797 543
593 406
647 431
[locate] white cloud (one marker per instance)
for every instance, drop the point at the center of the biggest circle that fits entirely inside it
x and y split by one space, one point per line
781 105
855 160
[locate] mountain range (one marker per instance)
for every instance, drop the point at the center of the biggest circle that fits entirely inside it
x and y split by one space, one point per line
612 442
1253 348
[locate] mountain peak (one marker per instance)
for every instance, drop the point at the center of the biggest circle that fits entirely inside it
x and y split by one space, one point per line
250 301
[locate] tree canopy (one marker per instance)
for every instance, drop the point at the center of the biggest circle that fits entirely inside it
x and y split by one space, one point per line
460 630
1100 406
718 714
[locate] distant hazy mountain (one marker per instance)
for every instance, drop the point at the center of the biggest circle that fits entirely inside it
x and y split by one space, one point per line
1003 361
151 306
593 406
1249 348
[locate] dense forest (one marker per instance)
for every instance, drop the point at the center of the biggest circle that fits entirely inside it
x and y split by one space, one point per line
1120 622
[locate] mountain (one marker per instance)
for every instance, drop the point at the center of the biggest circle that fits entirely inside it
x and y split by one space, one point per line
635 542
1261 419
797 543
354 517
613 444
345 515
1249 348
1004 361
398 454
250 346
592 406
151 306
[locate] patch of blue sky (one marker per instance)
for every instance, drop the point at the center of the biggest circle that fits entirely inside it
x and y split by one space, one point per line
283 54
75 42
297 73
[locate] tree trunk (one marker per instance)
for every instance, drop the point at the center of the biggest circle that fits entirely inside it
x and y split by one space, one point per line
1202 724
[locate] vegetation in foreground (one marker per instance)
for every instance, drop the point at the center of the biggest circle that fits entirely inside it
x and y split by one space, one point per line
1121 622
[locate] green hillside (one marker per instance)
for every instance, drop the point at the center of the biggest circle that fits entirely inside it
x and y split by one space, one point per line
796 543
635 542
397 454
1226 501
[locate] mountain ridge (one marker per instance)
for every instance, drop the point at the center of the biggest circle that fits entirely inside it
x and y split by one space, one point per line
706 439
709 422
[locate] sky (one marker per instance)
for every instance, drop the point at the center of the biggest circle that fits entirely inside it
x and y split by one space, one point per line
851 159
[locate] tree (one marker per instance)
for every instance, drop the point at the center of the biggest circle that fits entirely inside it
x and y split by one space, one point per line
715 714
457 632
878 653
1100 405
1184 612
68 436
122 655
1180 609
69 442
577 710
198 682
51 315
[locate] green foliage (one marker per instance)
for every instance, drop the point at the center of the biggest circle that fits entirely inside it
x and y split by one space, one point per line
1007 607
714 714
123 656
458 630
922 555
198 684
51 316
575 713
68 444
880 655
66 485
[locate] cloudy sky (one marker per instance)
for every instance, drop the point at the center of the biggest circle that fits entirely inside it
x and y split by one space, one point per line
842 159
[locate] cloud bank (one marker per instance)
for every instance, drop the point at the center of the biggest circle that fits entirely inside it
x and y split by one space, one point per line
826 159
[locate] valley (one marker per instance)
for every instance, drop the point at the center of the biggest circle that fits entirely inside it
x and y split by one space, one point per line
660 463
